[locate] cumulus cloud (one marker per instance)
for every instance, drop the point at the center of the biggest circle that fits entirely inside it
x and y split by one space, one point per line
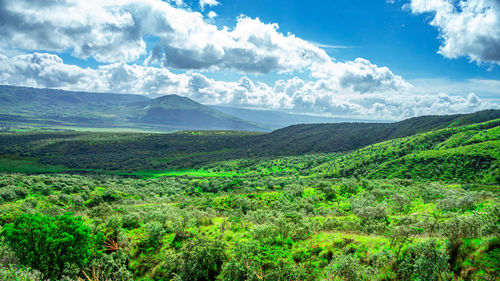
114 31
212 15
209 3
323 96
467 28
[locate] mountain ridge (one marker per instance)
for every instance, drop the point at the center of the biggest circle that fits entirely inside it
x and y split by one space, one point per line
81 109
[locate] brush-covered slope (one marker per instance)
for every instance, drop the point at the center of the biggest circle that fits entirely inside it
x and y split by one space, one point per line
468 153
46 107
339 137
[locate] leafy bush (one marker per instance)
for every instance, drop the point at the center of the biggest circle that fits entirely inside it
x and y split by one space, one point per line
49 244
154 234
423 261
12 273
201 259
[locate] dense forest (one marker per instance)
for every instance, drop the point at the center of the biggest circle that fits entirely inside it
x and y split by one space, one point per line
418 201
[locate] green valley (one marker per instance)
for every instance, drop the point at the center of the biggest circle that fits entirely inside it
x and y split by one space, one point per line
423 204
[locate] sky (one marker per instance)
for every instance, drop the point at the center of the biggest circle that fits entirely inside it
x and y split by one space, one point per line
378 59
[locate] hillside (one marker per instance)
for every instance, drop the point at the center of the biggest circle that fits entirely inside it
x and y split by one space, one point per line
137 151
460 154
311 138
467 153
151 211
183 113
21 106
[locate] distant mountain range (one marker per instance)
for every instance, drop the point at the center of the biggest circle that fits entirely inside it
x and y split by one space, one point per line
278 119
64 109
58 109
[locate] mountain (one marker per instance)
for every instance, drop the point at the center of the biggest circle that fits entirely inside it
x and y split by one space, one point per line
47 102
64 109
184 113
278 119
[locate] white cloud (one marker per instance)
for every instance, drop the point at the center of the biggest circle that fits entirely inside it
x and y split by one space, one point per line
467 28
212 15
323 96
114 31
209 3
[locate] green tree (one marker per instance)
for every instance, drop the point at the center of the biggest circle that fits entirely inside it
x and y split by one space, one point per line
49 244
202 259
423 261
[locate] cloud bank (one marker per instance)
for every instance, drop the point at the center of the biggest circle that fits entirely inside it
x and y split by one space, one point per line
467 28
344 94
114 31
137 42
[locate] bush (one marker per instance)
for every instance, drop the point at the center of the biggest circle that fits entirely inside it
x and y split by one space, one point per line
201 259
346 267
423 261
12 273
154 234
49 244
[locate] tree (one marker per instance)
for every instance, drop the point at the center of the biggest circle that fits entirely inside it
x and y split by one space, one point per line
423 261
201 259
49 244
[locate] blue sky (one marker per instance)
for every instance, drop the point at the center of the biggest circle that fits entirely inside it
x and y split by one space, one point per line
371 59
382 32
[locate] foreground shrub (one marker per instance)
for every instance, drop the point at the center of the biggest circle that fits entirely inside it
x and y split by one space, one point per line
49 244
12 273
201 259
423 261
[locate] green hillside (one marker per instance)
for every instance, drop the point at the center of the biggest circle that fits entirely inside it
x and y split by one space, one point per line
192 150
468 153
338 137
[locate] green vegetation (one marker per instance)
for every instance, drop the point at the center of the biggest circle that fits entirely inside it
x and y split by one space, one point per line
211 206
133 152
49 244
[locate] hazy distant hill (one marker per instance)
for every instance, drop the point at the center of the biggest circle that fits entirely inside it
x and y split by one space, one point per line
30 106
184 113
278 119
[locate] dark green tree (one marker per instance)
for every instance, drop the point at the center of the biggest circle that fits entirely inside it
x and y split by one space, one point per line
202 259
49 244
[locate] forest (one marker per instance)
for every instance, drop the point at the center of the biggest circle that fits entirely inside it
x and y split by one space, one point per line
408 204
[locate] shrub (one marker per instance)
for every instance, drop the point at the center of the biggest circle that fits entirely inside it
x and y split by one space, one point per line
423 261
346 267
154 234
49 244
12 273
201 259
